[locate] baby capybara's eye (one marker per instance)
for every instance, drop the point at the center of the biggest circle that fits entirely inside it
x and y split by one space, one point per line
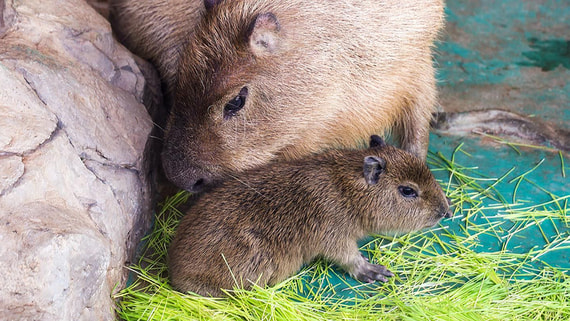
408 192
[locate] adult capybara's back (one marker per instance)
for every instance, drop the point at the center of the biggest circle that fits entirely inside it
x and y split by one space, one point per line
252 80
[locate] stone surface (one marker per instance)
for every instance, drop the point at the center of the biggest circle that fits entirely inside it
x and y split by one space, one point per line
74 187
11 169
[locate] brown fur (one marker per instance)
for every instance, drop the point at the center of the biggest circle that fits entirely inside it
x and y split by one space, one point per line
320 74
264 224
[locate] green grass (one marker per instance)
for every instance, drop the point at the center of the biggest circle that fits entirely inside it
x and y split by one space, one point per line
482 265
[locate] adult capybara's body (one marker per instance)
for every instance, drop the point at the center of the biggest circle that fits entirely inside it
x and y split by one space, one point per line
265 223
252 80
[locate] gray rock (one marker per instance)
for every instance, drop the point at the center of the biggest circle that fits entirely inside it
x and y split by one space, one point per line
50 253
74 187
11 169
25 121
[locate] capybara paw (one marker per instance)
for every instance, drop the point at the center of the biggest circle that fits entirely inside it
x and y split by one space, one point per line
373 272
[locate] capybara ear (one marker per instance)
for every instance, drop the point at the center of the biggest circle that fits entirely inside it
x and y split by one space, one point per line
263 34
209 4
373 167
377 142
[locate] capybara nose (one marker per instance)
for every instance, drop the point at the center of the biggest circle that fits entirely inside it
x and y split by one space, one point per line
198 185
186 176
445 211
191 179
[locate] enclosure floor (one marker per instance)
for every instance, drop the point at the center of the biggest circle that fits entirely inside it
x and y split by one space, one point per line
512 55
509 54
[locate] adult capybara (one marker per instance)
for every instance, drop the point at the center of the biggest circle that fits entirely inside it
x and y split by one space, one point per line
265 223
252 80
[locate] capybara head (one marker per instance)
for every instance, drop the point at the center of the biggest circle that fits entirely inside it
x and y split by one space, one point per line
232 120
406 195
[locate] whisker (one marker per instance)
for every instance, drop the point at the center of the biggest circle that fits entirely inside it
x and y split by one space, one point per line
154 137
158 126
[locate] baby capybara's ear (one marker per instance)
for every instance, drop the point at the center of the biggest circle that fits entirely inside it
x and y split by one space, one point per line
373 167
377 142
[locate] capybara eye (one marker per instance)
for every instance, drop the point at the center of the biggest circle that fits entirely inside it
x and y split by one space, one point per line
407 191
234 105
